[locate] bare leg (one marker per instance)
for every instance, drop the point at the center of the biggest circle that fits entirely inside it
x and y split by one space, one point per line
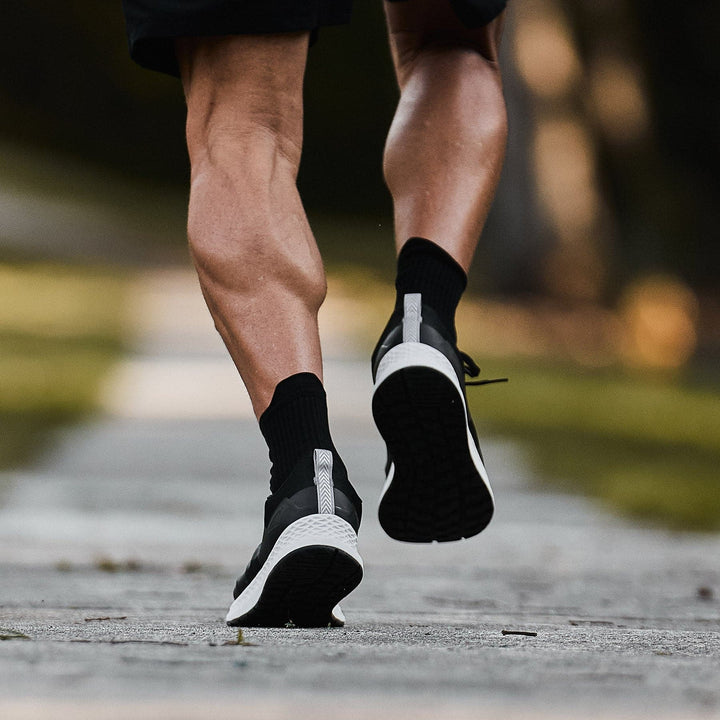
259 268
446 145
442 161
264 282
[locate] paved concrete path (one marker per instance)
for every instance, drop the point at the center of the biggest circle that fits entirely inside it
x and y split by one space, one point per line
118 552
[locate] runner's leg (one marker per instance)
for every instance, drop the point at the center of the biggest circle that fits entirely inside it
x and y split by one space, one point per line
259 267
263 280
446 144
442 162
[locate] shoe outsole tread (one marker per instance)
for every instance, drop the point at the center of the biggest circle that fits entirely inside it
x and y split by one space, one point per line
436 493
303 588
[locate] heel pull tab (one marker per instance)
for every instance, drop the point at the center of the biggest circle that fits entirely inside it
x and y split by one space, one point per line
323 460
412 317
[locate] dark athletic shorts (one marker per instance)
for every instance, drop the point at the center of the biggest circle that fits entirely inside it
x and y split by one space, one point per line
153 25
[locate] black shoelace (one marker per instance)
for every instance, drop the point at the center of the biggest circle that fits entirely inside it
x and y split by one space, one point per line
472 370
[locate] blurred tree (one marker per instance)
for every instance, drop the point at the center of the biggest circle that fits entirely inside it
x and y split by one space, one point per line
679 46
649 69
67 84
653 69
350 99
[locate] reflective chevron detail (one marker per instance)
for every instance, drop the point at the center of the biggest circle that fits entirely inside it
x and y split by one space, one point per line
323 480
412 317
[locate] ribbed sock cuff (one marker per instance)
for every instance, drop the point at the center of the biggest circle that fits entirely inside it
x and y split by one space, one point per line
424 267
295 422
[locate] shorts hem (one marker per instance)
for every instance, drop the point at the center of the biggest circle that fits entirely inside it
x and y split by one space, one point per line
152 38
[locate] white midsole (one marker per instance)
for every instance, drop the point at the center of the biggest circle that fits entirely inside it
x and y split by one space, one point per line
415 354
319 529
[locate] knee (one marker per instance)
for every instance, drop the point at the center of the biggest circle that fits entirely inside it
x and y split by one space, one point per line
485 92
452 65
255 146
435 27
454 92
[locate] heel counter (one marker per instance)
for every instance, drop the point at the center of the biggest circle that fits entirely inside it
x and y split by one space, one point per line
347 509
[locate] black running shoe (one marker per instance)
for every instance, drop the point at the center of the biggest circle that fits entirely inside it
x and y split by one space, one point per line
308 558
437 488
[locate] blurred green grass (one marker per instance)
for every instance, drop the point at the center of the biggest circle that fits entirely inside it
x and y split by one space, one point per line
645 445
60 329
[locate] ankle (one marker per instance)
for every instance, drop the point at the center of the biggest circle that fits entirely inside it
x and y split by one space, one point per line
294 424
424 267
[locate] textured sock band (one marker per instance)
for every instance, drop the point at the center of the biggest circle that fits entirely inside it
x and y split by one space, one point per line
424 267
295 422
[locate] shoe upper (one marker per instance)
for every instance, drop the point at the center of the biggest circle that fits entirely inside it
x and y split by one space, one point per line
430 331
299 496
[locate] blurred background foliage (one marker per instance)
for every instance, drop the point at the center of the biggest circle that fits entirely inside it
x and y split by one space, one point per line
626 90
600 253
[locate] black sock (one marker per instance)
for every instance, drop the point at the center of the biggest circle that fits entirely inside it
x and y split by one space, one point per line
295 422
424 267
